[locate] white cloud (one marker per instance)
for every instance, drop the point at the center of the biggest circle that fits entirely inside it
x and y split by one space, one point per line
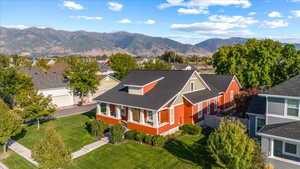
296 13
192 11
21 27
115 6
73 5
87 17
204 4
242 21
252 13
276 24
275 14
124 21
149 22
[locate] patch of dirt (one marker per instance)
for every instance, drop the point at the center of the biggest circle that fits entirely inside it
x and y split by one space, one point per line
4 155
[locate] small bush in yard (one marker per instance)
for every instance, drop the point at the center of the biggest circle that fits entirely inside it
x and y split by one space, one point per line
148 139
191 129
159 141
117 132
98 127
130 134
140 136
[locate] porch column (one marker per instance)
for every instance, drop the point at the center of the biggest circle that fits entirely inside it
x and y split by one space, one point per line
118 112
271 147
108 109
98 109
142 117
155 119
130 115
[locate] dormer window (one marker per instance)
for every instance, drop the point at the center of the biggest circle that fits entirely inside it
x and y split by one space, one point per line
142 86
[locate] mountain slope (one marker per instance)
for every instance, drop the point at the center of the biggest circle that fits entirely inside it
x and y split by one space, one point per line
37 42
212 45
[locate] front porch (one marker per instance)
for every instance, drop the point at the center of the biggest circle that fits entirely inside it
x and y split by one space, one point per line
136 119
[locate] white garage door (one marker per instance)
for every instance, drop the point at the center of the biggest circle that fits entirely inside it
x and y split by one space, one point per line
60 97
61 101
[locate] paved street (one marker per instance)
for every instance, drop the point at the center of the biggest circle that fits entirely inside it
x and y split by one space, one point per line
73 110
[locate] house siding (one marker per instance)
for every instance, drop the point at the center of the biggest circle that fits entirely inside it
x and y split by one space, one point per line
276 120
275 106
252 123
108 120
234 86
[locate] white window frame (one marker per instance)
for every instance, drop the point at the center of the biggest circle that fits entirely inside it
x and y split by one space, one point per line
148 117
287 107
200 110
208 107
290 154
172 115
216 104
105 104
231 96
123 111
192 86
256 121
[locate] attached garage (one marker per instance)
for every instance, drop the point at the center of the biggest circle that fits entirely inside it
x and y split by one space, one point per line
60 97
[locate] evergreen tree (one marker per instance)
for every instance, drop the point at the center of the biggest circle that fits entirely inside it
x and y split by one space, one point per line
51 152
230 147
122 64
10 124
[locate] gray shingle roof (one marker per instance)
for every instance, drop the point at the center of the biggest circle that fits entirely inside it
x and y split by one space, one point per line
201 95
220 82
257 105
163 92
288 88
46 80
287 130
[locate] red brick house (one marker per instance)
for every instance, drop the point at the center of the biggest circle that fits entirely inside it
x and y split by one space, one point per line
158 102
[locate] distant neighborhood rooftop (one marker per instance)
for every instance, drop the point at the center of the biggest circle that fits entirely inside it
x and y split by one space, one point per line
288 88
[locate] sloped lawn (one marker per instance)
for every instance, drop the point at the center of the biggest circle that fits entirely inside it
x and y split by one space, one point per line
187 152
72 129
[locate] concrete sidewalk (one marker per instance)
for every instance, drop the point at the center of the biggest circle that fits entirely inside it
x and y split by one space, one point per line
22 151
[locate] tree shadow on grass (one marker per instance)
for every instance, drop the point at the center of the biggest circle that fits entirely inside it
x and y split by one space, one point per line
20 135
90 114
196 152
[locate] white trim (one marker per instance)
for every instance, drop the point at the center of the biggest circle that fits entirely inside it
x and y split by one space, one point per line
280 96
100 101
208 108
285 117
172 110
144 84
202 80
192 84
285 160
200 110
255 125
234 77
278 137
148 116
216 105
258 115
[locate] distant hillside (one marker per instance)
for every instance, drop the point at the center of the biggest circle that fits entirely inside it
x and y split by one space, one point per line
212 45
45 42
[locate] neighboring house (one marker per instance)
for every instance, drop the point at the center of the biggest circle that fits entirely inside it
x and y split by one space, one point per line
105 69
181 66
275 117
158 102
52 84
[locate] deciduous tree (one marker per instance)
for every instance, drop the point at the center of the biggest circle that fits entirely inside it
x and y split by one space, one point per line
157 65
10 124
122 64
51 152
83 78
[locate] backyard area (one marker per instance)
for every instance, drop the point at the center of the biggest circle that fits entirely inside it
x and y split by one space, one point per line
185 152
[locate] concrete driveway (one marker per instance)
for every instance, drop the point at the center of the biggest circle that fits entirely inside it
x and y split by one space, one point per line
73 110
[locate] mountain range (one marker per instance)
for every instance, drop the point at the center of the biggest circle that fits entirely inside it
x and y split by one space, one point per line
47 42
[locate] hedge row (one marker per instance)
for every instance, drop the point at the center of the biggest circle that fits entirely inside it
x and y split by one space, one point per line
140 137
191 129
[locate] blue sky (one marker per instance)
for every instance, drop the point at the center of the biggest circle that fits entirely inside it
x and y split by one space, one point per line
187 21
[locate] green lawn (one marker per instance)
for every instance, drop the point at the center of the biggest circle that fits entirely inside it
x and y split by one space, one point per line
188 152
72 129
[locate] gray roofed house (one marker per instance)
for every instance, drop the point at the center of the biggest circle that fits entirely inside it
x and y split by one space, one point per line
160 101
182 66
274 117
220 82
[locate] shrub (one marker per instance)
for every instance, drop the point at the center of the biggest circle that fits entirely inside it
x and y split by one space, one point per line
130 134
191 129
98 127
140 136
117 132
148 139
159 141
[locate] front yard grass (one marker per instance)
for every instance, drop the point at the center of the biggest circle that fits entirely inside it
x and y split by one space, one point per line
72 129
187 152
